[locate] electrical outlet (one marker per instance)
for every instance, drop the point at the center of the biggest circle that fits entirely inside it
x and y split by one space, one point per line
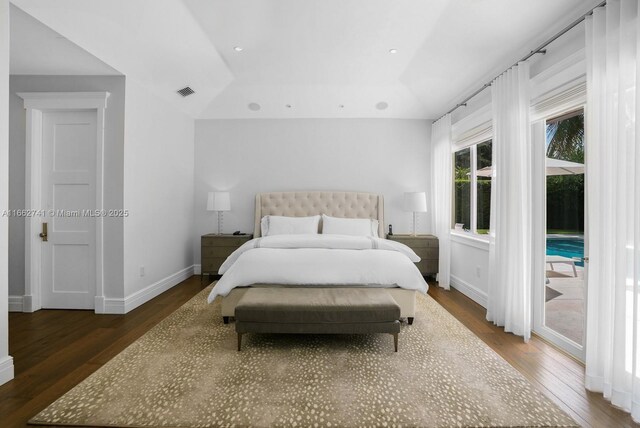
478 271
141 270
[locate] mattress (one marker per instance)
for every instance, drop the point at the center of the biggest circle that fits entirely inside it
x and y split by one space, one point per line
320 261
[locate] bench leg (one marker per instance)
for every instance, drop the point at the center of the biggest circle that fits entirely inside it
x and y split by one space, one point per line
225 320
410 320
395 341
239 341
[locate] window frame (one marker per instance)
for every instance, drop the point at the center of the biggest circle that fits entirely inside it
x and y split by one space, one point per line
453 190
474 184
470 139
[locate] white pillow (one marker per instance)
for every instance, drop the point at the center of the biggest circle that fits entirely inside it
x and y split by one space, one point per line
349 226
281 225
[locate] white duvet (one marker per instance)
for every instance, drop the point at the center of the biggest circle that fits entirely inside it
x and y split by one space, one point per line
320 260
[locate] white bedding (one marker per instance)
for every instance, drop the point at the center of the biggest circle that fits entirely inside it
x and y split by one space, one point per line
317 260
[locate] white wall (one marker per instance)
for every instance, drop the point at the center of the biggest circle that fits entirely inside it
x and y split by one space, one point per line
470 267
113 172
563 64
387 156
158 192
6 362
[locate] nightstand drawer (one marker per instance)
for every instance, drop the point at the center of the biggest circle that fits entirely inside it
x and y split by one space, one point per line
211 265
427 252
214 250
216 241
217 251
427 267
426 247
417 242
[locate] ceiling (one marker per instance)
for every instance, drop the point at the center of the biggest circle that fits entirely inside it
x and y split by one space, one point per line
305 58
38 50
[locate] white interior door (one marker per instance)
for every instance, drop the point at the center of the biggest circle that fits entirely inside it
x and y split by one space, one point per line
68 271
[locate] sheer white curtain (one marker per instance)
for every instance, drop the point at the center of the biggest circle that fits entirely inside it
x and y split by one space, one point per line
613 183
441 168
510 239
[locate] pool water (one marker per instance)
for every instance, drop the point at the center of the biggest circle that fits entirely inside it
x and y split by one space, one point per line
567 247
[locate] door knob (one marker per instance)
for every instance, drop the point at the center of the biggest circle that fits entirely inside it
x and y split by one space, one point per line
43 234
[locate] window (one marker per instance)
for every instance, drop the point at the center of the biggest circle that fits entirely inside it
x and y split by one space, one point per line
462 188
483 187
472 187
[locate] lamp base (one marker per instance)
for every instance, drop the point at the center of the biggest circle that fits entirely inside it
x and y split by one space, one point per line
414 233
219 223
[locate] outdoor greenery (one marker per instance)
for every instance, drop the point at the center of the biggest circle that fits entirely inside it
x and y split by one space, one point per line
565 193
462 183
483 202
462 188
462 203
566 139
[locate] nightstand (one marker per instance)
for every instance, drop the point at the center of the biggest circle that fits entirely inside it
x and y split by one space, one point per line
216 248
426 247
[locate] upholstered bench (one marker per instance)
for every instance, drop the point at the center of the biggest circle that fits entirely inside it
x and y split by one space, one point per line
317 311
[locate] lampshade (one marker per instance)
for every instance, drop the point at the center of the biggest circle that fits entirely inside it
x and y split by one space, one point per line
415 202
218 201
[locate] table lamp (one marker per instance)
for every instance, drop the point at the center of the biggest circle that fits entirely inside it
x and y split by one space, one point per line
220 202
415 202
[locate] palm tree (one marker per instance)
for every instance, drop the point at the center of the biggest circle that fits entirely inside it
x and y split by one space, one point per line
565 193
565 138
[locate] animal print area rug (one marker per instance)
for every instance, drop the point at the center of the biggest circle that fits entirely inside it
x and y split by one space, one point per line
186 372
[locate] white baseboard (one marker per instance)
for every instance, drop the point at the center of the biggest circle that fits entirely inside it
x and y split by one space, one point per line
469 290
129 303
6 369
98 304
111 306
197 269
30 304
16 303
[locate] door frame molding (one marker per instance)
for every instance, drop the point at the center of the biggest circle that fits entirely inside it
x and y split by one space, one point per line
37 103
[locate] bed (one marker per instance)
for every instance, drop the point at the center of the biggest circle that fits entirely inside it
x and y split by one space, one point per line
336 204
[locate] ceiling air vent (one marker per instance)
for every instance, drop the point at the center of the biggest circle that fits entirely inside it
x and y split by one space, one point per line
186 91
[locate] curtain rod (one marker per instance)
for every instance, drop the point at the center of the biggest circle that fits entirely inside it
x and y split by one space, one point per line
540 49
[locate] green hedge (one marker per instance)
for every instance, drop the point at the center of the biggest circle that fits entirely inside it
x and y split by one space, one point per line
462 202
565 202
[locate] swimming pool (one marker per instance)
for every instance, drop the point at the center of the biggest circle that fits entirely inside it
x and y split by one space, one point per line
567 247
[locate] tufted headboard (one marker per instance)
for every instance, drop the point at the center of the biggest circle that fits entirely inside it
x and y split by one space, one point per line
335 204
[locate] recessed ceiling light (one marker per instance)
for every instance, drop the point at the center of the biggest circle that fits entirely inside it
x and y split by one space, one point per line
382 105
288 105
237 49
393 50
254 106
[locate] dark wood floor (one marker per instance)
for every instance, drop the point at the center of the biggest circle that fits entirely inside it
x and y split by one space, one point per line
557 375
55 350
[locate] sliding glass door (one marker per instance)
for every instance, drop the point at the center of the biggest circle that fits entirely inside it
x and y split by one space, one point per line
559 284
